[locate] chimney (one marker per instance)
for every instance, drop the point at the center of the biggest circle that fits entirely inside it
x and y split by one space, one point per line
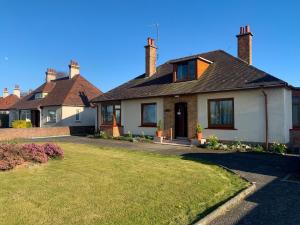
245 44
5 93
150 57
73 69
17 91
50 75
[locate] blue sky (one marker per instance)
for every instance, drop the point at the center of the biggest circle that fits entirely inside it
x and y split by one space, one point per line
107 38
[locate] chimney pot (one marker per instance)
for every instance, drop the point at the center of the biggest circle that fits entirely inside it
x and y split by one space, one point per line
241 30
247 29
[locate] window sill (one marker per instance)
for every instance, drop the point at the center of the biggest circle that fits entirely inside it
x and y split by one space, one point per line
149 126
110 125
50 122
220 128
295 128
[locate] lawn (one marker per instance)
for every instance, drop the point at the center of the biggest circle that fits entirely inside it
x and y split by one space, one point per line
95 185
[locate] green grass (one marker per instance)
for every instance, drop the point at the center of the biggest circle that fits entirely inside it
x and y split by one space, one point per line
94 185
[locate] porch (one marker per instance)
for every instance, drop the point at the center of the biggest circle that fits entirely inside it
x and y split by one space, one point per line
32 115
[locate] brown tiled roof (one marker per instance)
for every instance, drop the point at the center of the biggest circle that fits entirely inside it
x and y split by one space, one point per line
68 92
225 73
8 102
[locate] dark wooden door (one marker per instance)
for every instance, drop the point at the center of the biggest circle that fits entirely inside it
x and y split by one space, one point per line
35 118
181 119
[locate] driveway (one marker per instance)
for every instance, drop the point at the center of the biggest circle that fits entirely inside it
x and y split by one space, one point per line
274 201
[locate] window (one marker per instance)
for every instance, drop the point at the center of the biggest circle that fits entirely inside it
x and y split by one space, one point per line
77 115
109 112
149 115
186 70
40 95
25 115
296 111
51 116
221 113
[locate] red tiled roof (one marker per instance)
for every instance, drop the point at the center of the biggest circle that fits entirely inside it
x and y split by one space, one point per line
68 92
8 102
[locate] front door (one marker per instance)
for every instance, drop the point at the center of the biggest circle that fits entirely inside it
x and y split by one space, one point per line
35 118
180 119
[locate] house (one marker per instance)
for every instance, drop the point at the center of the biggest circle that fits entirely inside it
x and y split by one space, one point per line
63 100
227 95
6 102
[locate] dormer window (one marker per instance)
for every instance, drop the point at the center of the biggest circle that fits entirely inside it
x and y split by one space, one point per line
189 69
40 95
186 71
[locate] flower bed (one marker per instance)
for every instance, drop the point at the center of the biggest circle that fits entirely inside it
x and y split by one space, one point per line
12 155
126 137
214 144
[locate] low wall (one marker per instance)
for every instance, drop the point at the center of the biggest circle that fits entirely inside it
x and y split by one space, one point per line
19 133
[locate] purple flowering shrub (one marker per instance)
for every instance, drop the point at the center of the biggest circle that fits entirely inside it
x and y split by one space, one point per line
34 153
53 151
12 155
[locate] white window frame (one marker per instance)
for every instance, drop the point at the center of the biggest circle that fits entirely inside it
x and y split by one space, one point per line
27 114
38 95
48 116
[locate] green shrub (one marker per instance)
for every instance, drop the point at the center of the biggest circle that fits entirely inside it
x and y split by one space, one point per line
278 148
103 135
199 128
21 124
129 134
159 126
212 142
258 148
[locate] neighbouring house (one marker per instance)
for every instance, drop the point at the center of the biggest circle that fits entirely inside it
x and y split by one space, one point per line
63 100
227 95
6 102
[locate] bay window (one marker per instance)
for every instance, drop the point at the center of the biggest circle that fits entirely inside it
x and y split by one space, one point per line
111 112
221 113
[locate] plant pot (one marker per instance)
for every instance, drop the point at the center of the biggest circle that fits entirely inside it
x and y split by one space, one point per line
199 136
159 133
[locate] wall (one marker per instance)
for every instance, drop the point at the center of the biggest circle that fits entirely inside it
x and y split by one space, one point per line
131 115
249 115
44 112
14 133
66 116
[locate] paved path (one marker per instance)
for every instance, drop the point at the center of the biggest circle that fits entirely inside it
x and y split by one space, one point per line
275 202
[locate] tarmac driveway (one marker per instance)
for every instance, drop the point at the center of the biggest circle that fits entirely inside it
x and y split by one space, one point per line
274 201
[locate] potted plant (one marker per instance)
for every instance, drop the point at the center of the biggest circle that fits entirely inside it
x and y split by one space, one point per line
159 129
199 132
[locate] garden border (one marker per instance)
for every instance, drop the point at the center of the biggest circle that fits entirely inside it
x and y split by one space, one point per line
232 202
